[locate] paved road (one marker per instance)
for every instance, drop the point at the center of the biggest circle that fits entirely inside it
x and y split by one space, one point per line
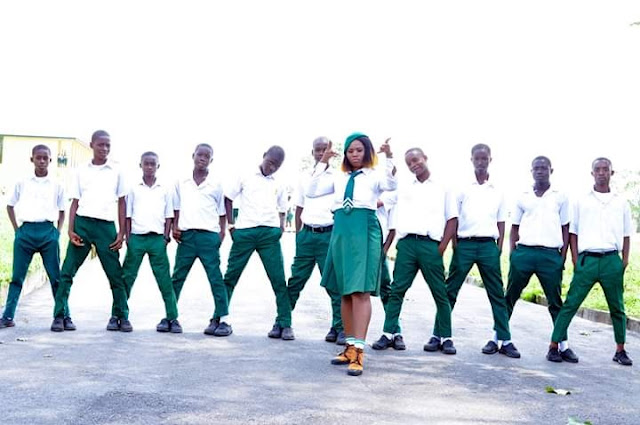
92 376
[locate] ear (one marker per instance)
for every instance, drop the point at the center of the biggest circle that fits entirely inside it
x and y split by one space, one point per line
31 159
158 166
140 165
612 172
551 171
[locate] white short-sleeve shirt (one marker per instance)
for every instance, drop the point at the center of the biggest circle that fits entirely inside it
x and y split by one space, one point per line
480 208
386 211
148 207
601 221
200 206
264 198
97 189
423 208
37 199
540 218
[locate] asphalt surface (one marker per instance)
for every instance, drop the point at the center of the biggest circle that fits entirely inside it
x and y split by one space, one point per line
92 376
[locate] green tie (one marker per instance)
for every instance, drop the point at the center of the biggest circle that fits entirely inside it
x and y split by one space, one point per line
347 203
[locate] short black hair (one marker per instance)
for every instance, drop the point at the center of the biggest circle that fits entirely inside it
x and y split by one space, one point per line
602 158
203 145
275 152
149 153
38 147
98 134
419 150
480 146
541 158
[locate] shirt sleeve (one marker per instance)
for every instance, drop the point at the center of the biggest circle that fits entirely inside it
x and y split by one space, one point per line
60 201
574 218
317 186
393 217
15 195
627 229
564 211
175 196
234 189
222 211
388 181
450 206
389 199
502 209
282 200
74 186
121 190
168 204
518 212
129 203
298 198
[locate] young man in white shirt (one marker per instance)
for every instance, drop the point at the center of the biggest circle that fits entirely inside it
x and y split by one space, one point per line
38 201
425 221
314 222
480 236
600 229
98 187
149 217
259 228
539 241
199 227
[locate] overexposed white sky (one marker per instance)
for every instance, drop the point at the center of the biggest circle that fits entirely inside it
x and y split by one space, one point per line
559 78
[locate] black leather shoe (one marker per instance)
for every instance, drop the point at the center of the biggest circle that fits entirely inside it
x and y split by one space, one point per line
163 326
213 325
382 344
68 324
510 350
447 347
342 338
569 356
490 348
113 324
398 343
57 325
332 335
553 355
6 323
175 327
432 345
275 332
287 334
223 329
125 325
622 358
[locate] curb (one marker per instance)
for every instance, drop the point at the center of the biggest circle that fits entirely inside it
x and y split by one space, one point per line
32 282
593 315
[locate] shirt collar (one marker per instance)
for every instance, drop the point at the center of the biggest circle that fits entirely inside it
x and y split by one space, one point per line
156 184
40 179
259 173
107 164
416 181
551 189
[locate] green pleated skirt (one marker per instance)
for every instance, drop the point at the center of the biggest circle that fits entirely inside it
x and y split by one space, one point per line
355 253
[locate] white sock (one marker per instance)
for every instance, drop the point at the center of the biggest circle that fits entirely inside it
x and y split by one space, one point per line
506 342
224 319
495 337
359 343
388 335
446 339
436 337
563 346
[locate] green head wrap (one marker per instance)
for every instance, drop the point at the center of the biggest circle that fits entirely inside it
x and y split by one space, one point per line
351 138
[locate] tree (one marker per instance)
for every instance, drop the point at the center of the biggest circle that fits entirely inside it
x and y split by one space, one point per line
629 184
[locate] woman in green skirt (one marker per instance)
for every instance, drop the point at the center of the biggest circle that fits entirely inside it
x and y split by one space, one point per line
355 251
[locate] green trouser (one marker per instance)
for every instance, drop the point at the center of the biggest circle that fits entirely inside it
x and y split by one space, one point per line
311 249
609 271
30 238
265 240
204 245
155 247
413 255
547 264
486 255
385 281
100 233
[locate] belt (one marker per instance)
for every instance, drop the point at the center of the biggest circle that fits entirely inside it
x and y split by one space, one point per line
478 239
544 248
419 237
147 234
586 254
324 229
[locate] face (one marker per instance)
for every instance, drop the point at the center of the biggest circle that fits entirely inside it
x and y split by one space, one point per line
541 170
416 161
101 147
270 164
355 154
149 165
318 149
481 158
202 157
602 172
41 159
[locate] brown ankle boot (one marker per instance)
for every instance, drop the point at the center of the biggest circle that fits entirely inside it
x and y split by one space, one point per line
356 363
346 356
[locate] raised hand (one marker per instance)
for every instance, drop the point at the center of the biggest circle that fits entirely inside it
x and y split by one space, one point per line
328 153
386 149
